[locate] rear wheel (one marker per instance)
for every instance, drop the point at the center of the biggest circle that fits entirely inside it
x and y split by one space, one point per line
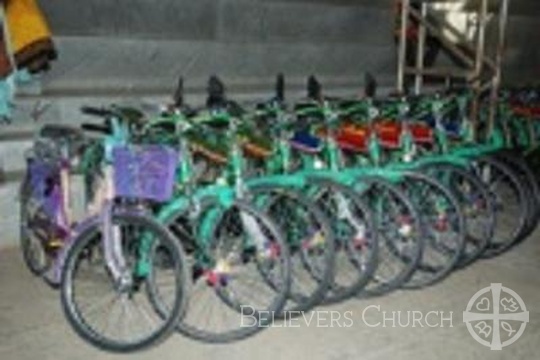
32 236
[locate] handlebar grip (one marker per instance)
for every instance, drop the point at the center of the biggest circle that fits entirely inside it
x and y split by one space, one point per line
97 128
94 111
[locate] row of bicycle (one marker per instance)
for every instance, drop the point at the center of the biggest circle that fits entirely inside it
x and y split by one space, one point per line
205 219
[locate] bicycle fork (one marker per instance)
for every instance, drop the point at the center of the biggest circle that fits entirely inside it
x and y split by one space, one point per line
112 237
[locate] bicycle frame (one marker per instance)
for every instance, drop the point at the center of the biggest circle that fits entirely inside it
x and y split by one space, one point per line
102 216
229 188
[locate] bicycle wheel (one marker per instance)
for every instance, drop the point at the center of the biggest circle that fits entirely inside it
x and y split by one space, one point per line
442 226
241 270
33 232
476 205
510 199
310 240
517 163
120 315
401 243
356 237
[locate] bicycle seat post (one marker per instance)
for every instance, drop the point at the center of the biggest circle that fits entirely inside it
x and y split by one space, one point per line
236 157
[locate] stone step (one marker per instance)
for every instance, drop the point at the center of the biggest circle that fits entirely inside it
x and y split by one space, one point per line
228 20
133 65
263 20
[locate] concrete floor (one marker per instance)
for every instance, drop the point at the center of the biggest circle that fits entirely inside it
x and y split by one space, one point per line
32 325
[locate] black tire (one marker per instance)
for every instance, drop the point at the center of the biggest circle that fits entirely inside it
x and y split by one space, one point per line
517 162
88 250
511 226
35 256
476 203
227 298
357 244
443 227
313 263
400 267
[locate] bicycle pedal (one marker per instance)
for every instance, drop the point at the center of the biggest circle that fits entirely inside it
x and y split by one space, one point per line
216 279
360 243
197 272
441 225
315 241
405 226
248 254
55 243
223 267
271 251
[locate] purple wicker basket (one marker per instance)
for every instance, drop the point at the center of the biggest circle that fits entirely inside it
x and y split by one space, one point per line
45 185
144 172
42 174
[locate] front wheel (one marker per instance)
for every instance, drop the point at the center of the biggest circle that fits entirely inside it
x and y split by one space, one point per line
443 228
310 240
510 199
241 270
357 247
401 242
476 204
144 305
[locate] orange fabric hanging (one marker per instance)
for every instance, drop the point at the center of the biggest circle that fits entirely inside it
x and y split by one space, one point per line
5 61
31 39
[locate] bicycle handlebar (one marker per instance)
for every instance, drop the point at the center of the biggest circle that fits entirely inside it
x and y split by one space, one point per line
95 111
105 129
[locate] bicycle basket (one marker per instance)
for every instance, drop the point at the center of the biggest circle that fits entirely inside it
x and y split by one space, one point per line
44 182
42 175
46 150
144 172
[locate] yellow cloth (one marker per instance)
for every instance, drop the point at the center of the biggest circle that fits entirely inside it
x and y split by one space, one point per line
31 42
26 23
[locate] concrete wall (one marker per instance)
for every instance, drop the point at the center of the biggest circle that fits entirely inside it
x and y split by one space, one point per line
145 45
142 45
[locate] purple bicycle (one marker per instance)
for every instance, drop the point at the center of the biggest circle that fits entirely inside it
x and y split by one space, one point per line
122 275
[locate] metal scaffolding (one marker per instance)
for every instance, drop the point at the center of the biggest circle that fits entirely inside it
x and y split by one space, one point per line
482 72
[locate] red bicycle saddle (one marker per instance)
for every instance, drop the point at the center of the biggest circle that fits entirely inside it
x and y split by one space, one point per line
389 133
526 111
355 137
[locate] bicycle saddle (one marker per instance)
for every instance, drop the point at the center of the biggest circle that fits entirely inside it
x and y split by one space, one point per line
131 115
306 142
60 132
123 113
305 106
